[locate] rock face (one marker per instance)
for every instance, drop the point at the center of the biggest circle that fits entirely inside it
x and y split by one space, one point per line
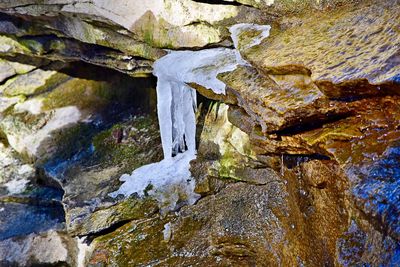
51 249
297 163
88 206
81 27
334 49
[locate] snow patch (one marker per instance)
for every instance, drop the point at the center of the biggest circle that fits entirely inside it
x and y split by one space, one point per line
16 186
33 106
168 181
167 232
25 169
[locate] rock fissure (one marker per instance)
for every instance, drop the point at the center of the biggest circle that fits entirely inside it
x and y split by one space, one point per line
291 158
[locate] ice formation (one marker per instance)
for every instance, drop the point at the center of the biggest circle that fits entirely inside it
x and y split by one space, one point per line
83 250
167 232
16 186
260 32
169 181
177 101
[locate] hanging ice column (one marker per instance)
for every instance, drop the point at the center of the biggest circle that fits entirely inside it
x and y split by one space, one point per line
171 178
177 101
176 106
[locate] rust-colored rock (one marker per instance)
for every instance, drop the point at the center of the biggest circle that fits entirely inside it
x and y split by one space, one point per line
367 147
280 101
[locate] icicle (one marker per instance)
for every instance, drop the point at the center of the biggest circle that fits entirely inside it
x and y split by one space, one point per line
177 100
176 114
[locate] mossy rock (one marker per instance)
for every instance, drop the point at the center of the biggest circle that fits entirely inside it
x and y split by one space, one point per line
116 151
32 83
130 143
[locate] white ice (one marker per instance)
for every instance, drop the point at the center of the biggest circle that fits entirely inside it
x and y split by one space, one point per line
169 181
167 232
261 32
16 186
83 250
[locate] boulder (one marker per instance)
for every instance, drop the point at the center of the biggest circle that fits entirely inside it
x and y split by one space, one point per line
50 249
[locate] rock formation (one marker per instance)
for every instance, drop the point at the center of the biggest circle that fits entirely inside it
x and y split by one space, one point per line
297 133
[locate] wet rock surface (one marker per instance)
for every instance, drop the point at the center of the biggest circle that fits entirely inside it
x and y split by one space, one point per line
227 229
277 102
297 164
112 153
342 57
27 204
367 147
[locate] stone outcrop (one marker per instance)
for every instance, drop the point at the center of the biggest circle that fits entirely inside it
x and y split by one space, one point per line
171 23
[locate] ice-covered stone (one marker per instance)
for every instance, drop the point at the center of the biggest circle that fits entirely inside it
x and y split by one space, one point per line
169 181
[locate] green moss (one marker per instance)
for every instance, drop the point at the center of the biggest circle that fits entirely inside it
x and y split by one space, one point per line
79 92
33 45
228 165
34 82
140 144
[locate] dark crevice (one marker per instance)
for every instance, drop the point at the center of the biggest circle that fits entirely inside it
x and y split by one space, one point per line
354 98
42 179
199 22
90 237
45 48
312 124
292 161
322 185
204 106
32 201
218 2
8 78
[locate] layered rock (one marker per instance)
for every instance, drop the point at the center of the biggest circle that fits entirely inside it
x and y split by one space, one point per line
342 57
51 248
297 164
172 23
54 98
